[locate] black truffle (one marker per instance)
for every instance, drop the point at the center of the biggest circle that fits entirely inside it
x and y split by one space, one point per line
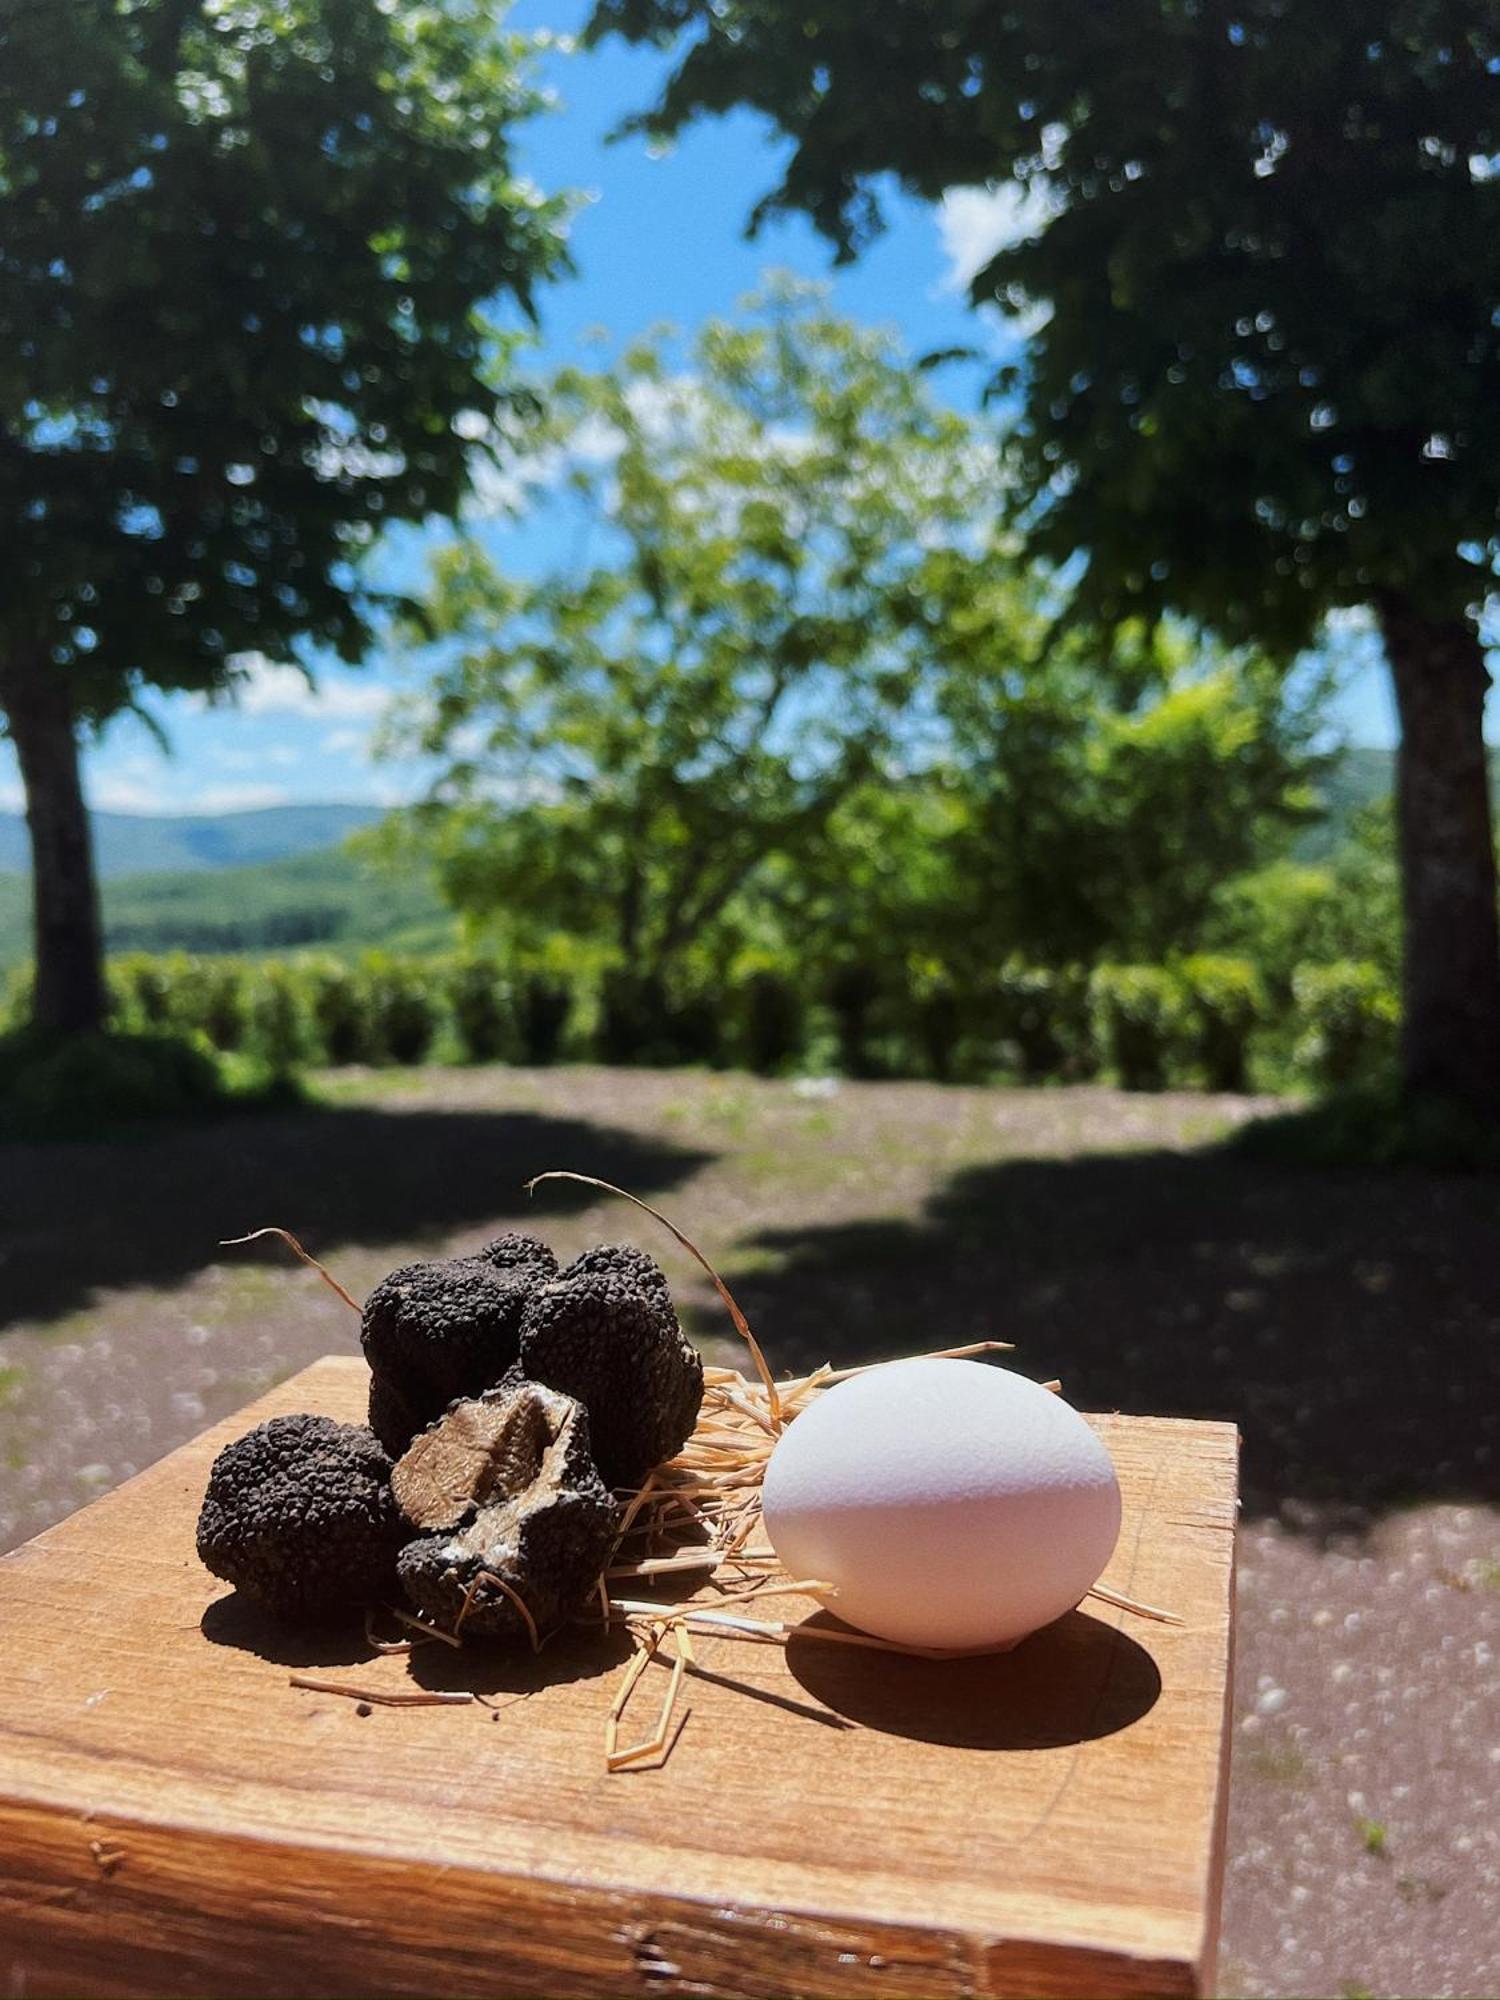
504 1486
299 1515
605 1332
433 1333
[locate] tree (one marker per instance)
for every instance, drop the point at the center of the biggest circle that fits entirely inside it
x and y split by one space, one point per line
242 249
1261 250
1082 805
622 750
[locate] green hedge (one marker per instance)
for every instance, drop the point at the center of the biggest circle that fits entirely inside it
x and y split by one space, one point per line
1201 1022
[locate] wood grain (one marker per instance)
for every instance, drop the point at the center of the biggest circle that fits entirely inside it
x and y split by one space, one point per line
176 1819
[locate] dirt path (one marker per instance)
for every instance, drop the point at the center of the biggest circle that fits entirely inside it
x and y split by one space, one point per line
1348 1322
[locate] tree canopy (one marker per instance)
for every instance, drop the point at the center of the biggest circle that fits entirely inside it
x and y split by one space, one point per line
622 747
1266 240
805 702
244 245
1258 248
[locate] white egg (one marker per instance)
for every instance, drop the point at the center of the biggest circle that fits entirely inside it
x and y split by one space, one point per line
949 1503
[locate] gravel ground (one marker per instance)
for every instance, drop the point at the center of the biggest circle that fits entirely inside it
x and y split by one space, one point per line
1347 1321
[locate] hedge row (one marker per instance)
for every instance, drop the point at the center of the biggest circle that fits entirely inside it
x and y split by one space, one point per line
1204 1021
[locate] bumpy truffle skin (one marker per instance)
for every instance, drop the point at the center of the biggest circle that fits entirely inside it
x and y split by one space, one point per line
435 1332
509 1489
605 1332
516 1251
299 1515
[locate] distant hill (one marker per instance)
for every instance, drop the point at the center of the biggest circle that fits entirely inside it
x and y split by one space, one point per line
147 844
325 900
1356 779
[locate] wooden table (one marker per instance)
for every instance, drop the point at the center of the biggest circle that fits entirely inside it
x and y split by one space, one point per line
175 1818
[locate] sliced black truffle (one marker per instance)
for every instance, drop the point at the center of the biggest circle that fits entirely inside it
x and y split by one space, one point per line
505 1488
299 1515
433 1333
605 1332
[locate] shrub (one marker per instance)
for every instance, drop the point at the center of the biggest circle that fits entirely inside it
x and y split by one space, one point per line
1347 1018
543 1006
70 1087
208 995
340 1018
1138 1015
277 1027
1225 1002
396 1000
15 1000
694 1028
1040 1020
773 1022
479 1003
937 1025
855 992
631 1027
141 989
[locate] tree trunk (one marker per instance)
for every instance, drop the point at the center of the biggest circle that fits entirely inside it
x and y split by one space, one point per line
69 994
1450 1044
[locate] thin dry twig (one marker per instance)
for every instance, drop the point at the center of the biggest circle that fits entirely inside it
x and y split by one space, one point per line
428 1631
506 1590
405 1698
233 1242
742 1325
1123 1603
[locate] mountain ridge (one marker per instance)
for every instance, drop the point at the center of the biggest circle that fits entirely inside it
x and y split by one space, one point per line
195 843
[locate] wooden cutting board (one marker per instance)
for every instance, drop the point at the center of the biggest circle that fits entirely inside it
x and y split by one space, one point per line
175 1818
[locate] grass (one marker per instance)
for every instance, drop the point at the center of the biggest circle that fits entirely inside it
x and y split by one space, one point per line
1374 1837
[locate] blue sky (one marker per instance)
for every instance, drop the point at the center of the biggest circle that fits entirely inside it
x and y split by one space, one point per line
656 239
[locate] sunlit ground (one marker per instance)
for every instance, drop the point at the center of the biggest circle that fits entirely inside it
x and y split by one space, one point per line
1347 1321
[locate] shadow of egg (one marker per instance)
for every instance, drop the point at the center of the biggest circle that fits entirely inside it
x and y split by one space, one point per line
1075 1681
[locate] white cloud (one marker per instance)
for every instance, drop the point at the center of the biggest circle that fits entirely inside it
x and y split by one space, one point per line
976 223
345 742
269 687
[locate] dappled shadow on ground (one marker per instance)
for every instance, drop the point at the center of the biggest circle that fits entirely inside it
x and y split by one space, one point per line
1349 1322
153 1210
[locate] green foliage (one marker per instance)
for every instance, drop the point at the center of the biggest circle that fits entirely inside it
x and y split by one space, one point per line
81 1085
773 1022
398 1007
1040 1020
857 993
624 753
1206 1020
544 1005
478 997
142 989
1100 796
278 1028
337 1008
1140 1019
1225 1003
1259 261
1348 1017
1288 914
245 251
